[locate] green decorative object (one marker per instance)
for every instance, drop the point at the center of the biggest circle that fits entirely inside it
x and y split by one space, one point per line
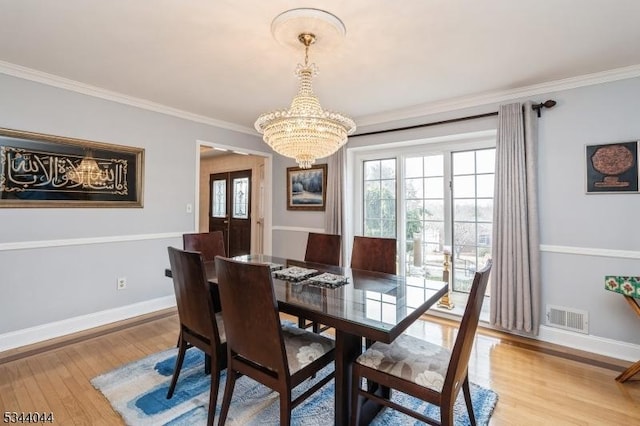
629 286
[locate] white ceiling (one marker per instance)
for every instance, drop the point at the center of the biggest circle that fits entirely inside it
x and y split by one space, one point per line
217 59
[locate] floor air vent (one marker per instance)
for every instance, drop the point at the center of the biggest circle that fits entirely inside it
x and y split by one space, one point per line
568 319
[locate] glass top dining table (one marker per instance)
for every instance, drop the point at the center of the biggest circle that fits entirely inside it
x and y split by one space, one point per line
370 305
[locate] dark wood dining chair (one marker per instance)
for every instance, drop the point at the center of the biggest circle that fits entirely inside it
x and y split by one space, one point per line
279 357
374 254
210 244
422 369
325 249
200 326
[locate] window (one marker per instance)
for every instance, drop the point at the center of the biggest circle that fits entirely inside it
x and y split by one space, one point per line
473 173
380 198
430 198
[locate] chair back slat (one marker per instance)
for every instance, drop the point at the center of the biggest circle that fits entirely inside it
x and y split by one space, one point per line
193 298
374 254
210 244
251 317
461 351
323 248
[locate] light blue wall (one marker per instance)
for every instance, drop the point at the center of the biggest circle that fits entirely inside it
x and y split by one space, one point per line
43 285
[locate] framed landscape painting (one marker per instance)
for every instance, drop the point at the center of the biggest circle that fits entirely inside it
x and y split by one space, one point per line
306 188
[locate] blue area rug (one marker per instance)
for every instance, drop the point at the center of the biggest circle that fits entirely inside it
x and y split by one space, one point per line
138 392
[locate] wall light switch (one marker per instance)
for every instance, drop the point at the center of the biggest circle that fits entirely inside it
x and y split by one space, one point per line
189 208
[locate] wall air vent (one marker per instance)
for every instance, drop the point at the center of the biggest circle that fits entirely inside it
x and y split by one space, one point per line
568 319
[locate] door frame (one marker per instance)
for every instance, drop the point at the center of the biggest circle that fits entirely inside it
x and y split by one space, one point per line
266 194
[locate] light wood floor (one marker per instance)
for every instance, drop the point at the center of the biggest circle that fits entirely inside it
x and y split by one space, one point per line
536 384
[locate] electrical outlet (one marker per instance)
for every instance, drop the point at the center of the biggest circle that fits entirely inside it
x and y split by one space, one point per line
122 283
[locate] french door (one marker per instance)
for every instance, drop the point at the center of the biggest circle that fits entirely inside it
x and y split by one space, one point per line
230 210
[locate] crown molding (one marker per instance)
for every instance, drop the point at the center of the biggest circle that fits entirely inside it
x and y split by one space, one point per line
624 73
86 89
416 111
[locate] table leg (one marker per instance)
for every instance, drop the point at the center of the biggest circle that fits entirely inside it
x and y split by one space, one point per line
635 368
348 347
629 372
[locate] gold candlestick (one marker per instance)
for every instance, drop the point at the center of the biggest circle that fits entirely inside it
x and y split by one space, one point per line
445 301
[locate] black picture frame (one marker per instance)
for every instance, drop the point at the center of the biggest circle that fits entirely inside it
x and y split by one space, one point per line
307 188
612 167
40 170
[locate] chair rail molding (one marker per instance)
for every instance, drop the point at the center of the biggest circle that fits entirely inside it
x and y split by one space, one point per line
297 229
22 245
589 251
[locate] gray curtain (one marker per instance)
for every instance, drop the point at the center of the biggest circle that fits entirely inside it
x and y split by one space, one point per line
333 219
515 276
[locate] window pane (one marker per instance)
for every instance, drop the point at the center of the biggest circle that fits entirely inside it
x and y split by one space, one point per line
413 188
371 170
241 198
464 209
388 169
372 227
464 235
388 228
413 167
462 279
464 187
388 189
434 209
373 209
433 188
372 190
485 185
388 209
379 198
219 198
486 161
414 229
434 165
484 234
433 232
485 209
414 209
464 163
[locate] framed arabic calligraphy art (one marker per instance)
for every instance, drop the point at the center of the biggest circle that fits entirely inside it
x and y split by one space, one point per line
612 168
38 170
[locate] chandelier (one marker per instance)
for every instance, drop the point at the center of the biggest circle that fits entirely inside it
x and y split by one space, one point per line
305 131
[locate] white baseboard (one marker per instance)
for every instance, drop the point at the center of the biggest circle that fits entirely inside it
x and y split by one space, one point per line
28 336
585 342
14 339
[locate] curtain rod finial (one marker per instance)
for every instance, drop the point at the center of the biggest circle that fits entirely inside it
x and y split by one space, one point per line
547 104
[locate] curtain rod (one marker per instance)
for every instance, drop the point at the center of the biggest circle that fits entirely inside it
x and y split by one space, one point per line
536 107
